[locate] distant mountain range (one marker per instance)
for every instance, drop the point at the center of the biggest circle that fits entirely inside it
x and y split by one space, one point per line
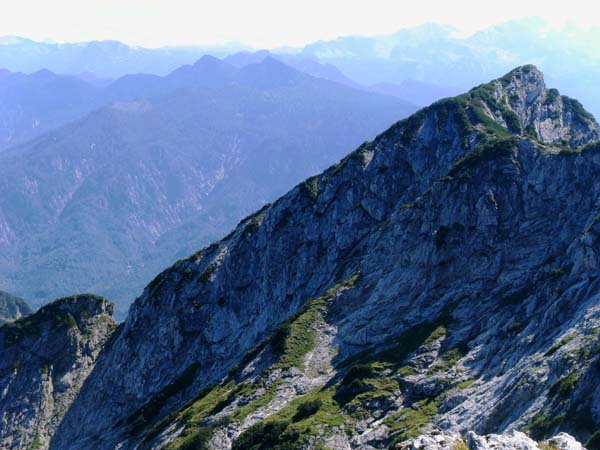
299 62
102 203
442 56
419 64
33 104
105 59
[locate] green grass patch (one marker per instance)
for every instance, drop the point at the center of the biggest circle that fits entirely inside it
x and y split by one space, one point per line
437 334
370 375
449 359
363 383
302 418
555 347
255 220
398 349
544 423
54 315
141 418
206 402
207 274
195 440
565 386
464 384
211 401
412 125
307 409
35 444
408 422
260 402
311 188
489 151
296 336
275 435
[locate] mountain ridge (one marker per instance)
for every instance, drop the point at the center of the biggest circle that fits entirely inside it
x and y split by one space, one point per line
44 359
354 294
104 58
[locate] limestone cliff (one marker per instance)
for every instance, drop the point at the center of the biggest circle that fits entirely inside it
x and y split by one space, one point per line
44 359
443 275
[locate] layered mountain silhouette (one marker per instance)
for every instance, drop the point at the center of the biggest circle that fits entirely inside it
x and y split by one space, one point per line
105 59
304 64
42 101
430 60
170 164
440 280
35 103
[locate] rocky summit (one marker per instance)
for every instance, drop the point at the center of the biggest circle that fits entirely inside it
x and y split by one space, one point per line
436 289
44 359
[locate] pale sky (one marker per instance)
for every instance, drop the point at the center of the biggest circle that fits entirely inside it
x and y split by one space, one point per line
262 23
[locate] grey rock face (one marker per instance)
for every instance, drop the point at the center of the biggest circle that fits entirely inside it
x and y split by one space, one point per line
541 112
473 441
472 242
44 359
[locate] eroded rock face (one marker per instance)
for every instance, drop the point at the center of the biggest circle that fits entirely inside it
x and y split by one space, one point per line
451 264
44 359
540 112
472 441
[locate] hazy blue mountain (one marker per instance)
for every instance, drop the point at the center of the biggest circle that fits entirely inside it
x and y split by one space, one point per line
431 53
241 59
110 59
438 54
101 204
299 62
208 71
94 80
35 103
381 46
417 92
12 308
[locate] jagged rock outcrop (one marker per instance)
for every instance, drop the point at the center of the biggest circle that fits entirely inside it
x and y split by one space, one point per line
445 273
44 359
12 308
472 441
521 103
